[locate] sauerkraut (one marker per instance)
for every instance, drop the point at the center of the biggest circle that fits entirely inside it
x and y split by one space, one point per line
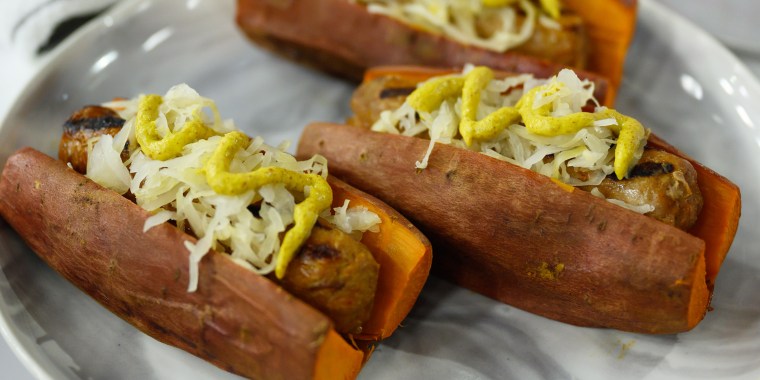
247 226
583 158
459 19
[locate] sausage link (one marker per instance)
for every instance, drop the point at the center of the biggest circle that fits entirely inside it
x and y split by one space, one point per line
88 122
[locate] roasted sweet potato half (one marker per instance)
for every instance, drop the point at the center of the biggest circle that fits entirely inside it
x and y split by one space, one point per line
344 38
237 320
536 243
611 25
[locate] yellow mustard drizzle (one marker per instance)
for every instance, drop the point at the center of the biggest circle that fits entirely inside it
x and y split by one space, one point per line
490 126
497 3
469 127
474 82
222 181
632 135
169 146
539 120
432 93
305 214
551 7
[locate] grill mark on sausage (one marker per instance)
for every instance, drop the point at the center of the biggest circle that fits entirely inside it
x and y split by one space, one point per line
92 118
395 92
319 252
650 169
92 123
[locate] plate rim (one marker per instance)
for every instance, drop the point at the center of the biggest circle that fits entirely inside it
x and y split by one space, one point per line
119 10
129 8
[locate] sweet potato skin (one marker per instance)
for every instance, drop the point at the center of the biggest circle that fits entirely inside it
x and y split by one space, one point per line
720 215
610 25
526 240
240 322
342 38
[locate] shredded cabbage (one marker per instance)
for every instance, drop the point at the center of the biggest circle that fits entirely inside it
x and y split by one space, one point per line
461 20
641 209
104 165
357 218
588 151
247 226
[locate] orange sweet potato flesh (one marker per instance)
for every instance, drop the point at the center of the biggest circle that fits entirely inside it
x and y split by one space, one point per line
405 257
342 38
239 321
521 238
610 25
719 219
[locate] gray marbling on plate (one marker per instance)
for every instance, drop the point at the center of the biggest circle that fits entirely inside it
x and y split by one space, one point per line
679 81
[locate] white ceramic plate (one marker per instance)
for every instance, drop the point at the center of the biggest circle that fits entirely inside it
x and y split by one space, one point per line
679 81
732 21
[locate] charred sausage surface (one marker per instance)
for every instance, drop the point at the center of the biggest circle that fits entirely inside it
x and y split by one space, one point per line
88 122
661 179
337 275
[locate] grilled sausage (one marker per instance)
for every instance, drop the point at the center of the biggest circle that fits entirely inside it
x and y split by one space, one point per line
660 179
84 124
333 272
337 275
375 96
663 180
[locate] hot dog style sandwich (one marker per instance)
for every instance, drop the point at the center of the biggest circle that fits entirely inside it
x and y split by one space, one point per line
214 242
539 196
345 37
